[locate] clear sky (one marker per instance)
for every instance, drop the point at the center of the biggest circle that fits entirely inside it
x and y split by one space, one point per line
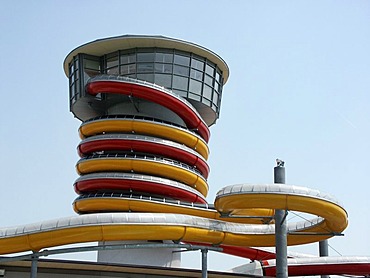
298 90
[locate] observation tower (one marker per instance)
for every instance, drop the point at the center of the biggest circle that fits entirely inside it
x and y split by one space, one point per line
146 104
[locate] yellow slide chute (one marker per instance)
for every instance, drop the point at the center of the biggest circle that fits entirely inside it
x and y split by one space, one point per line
180 227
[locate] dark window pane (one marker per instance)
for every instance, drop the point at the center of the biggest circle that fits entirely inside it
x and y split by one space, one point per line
180 82
145 67
207 92
163 68
128 58
210 70
208 80
145 57
113 71
112 62
163 80
181 60
91 73
196 74
71 73
193 96
146 77
91 67
124 59
128 69
196 64
217 86
76 63
206 102
73 91
164 57
180 70
71 68
218 76
74 76
215 98
195 86
91 64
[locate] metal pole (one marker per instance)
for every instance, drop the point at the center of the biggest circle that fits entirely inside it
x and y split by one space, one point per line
280 228
324 252
204 262
324 248
34 260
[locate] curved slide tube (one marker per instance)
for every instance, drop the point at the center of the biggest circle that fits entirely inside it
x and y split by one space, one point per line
143 144
123 202
145 126
192 228
332 217
150 92
109 227
166 168
129 182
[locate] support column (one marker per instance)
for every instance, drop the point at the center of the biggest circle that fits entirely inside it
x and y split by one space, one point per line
281 228
324 252
34 266
204 263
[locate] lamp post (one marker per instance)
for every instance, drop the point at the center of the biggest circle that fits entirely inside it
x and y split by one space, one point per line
280 227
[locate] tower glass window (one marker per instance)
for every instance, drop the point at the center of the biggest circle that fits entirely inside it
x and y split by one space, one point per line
181 60
188 74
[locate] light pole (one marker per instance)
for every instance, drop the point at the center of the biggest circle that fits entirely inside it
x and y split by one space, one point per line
280 227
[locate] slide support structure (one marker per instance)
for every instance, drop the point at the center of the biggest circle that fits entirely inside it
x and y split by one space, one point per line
34 257
204 263
34 261
281 228
324 252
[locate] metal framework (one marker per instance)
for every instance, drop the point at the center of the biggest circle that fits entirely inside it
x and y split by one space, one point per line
44 253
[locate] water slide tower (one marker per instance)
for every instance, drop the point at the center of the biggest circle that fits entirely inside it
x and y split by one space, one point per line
145 103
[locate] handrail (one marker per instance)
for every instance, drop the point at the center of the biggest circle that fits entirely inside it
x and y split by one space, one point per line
144 197
158 159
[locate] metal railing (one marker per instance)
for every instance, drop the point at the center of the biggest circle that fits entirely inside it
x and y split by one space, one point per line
34 257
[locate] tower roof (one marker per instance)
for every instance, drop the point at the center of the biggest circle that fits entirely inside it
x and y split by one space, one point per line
104 46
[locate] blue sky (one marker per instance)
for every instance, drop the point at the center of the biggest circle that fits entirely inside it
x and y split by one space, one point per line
298 90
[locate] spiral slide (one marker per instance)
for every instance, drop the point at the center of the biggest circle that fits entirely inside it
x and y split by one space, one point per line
146 179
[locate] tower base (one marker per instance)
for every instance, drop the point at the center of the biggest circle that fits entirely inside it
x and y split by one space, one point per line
164 257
